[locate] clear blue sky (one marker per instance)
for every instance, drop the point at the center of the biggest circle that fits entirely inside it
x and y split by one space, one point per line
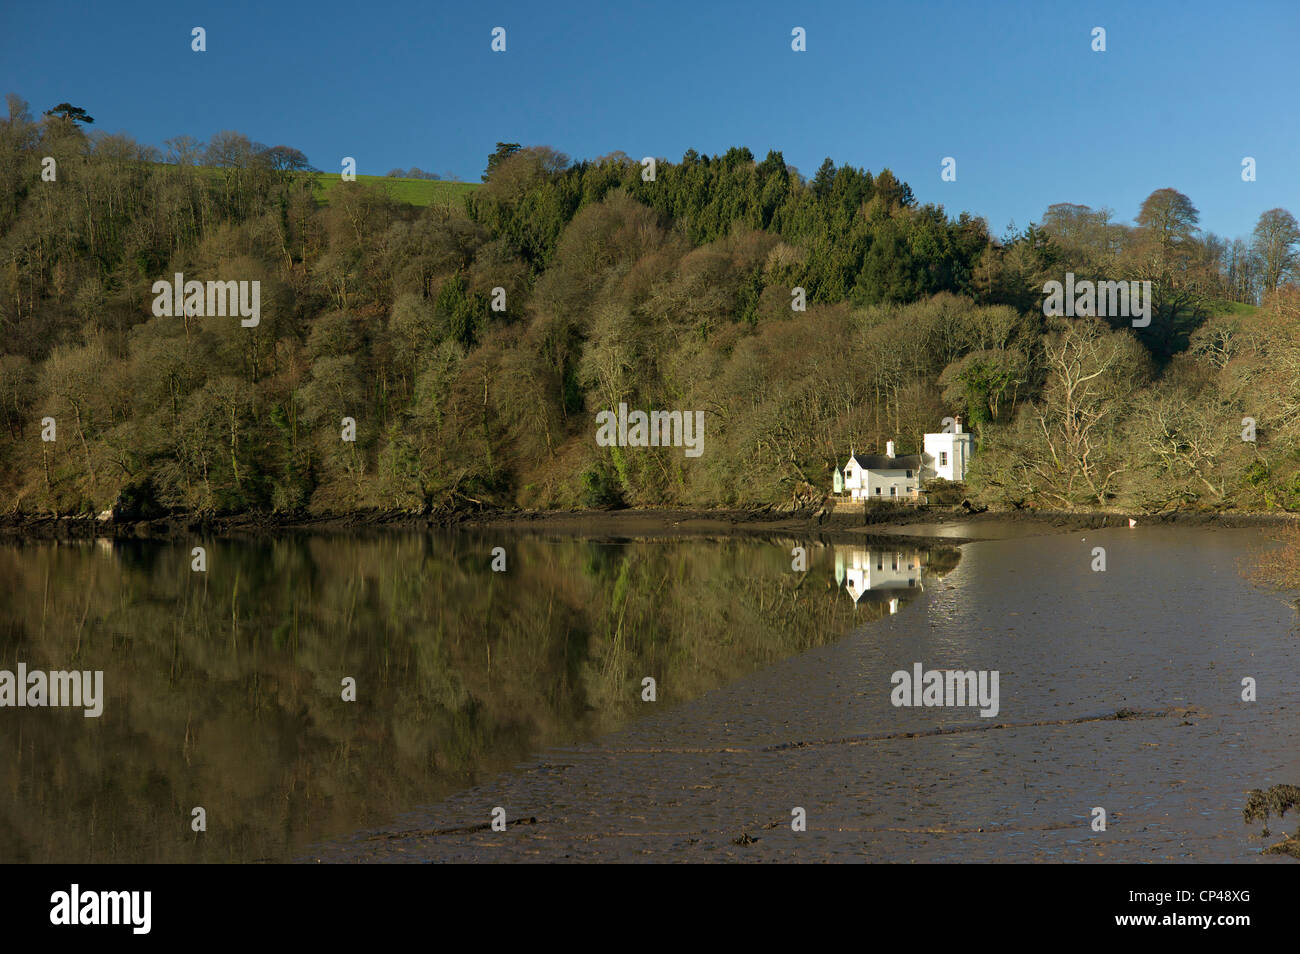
1012 90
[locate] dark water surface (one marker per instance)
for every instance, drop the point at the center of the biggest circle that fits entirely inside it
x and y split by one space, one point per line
523 690
224 688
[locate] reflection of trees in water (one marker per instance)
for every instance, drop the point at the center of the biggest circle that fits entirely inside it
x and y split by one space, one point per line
223 689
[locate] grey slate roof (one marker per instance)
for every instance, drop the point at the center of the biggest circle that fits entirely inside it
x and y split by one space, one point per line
881 462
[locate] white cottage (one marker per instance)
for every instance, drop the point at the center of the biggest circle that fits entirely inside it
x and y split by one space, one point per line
881 476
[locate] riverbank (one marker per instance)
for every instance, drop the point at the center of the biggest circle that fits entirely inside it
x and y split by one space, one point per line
950 524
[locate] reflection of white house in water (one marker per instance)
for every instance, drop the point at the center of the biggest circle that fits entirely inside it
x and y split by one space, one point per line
878 574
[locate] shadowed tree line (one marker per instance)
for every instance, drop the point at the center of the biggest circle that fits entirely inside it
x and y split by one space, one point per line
668 293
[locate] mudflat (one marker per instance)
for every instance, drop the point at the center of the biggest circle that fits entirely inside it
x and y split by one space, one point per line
1121 691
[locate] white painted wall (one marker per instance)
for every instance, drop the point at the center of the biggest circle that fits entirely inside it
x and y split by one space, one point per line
948 455
878 484
853 477
887 484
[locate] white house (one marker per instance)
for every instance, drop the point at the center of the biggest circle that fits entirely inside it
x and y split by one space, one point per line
880 476
948 455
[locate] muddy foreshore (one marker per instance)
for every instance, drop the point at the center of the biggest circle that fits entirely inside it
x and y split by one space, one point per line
1118 689
951 524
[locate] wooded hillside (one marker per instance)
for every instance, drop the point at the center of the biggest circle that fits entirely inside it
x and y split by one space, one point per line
674 293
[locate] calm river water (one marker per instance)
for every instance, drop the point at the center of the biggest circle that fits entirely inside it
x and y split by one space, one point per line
524 691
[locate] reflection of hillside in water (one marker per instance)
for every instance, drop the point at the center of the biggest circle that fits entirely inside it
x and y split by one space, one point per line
223 688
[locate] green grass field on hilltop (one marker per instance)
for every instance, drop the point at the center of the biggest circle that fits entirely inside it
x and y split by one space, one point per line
410 191
1220 306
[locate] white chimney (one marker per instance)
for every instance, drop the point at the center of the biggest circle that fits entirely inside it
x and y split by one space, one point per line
889 448
957 426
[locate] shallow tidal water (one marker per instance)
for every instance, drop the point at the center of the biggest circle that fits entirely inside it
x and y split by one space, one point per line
523 690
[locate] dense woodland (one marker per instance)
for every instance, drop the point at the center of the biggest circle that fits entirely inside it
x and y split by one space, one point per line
674 293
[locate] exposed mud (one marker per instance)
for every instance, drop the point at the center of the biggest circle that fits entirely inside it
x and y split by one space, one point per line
1278 800
1120 692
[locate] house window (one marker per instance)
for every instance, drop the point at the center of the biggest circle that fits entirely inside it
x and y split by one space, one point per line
943 458
909 473
877 491
893 491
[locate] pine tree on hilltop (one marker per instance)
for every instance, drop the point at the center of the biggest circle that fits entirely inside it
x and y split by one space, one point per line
71 113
